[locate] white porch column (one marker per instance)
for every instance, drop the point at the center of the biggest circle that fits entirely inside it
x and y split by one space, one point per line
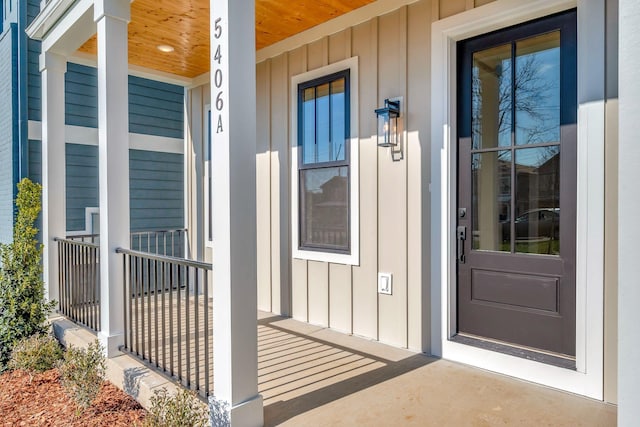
112 18
629 210
233 127
52 67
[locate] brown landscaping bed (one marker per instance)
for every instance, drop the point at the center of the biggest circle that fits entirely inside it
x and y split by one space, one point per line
40 400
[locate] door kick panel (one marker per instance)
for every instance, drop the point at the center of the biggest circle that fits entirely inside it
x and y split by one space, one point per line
519 291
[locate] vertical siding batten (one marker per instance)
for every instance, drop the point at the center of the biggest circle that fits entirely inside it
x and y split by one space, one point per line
263 187
280 184
340 282
451 7
365 296
418 173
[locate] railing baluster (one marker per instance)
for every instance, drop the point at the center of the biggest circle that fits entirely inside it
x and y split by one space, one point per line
171 280
140 307
87 299
206 332
164 319
197 327
148 280
62 253
188 330
179 317
155 308
74 282
91 290
127 315
96 277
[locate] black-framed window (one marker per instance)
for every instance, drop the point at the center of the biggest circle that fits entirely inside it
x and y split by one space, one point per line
323 163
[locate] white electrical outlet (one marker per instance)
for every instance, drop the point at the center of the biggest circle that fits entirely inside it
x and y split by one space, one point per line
385 283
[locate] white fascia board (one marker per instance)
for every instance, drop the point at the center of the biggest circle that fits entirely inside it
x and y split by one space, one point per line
89 136
71 30
47 18
355 17
200 80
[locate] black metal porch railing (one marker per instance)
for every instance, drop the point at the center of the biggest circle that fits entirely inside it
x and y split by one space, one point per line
167 316
79 281
160 242
86 238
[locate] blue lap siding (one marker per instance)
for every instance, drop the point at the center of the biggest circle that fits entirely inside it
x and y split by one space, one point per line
8 128
156 186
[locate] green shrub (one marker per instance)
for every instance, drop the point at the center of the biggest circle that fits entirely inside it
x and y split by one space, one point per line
37 353
23 309
82 373
183 409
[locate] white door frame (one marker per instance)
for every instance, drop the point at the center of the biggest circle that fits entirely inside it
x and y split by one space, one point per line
587 379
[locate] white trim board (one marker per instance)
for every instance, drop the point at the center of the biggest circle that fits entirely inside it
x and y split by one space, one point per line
354 198
88 222
89 136
355 17
588 378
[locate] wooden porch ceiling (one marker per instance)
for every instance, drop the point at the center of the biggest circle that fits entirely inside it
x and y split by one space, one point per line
184 25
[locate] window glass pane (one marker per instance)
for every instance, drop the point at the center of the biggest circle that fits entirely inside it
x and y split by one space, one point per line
537 219
491 198
491 101
324 208
338 131
538 89
322 124
309 125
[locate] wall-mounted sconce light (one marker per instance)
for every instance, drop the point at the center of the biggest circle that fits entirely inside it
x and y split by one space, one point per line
388 123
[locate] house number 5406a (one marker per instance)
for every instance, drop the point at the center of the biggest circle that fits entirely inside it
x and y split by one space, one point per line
217 74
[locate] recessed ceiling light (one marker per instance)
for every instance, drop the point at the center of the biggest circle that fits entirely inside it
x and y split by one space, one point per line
165 48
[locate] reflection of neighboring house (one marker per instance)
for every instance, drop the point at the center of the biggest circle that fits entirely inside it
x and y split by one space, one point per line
539 186
330 207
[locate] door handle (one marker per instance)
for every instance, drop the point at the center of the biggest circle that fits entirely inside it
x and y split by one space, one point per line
462 236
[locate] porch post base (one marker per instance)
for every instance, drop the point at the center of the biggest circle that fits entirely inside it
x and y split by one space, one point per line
111 344
245 414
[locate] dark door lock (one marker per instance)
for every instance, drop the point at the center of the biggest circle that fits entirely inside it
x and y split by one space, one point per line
462 236
462 212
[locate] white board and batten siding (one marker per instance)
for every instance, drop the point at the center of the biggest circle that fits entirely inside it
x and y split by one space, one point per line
392 62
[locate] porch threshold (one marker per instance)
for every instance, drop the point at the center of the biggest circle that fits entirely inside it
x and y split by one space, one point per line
125 372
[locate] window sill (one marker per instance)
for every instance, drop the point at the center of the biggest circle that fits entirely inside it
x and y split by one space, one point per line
332 257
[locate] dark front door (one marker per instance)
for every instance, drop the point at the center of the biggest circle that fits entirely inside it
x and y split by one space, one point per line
517 185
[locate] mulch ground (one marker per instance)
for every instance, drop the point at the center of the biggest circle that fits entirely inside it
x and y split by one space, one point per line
40 400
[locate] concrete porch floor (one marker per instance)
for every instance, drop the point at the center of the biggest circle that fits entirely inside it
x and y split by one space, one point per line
313 376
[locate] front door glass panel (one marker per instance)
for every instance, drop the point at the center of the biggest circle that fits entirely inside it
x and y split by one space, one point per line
537 221
537 89
491 198
492 97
